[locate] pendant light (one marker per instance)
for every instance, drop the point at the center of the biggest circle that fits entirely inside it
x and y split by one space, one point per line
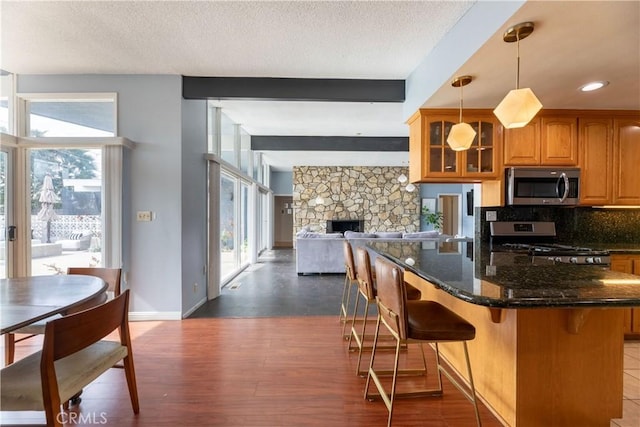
520 105
461 135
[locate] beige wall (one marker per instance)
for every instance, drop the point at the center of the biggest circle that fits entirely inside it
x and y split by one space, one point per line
370 193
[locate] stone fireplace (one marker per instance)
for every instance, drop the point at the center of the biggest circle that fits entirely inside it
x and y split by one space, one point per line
372 195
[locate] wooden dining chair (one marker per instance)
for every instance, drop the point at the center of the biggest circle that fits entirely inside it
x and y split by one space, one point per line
112 276
74 353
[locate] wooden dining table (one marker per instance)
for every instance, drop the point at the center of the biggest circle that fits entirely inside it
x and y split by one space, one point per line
26 300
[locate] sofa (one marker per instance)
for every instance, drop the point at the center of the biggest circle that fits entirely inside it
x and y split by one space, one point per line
77 241
318 253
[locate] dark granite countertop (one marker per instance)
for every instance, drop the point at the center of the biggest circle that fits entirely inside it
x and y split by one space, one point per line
468 274
614 248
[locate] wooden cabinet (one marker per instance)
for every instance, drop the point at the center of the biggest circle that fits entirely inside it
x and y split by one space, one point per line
609 155
432 160
626 161
596 160
548 140
628 264
522 145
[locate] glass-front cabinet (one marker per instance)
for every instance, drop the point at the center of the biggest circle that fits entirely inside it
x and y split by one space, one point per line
431 157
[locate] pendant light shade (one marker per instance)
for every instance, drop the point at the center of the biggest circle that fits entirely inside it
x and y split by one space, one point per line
517 108
461 135
520 106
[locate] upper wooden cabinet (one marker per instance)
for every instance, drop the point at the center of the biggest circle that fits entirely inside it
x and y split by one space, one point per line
547 140
626 161
432 160
609 157
596 160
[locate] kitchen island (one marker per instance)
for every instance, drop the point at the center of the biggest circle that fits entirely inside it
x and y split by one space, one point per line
549 344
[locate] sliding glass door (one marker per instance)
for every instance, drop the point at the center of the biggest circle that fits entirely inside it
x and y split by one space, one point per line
6 232
66 209
228 248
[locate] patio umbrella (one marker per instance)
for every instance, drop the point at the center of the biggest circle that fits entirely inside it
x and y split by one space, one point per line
48 198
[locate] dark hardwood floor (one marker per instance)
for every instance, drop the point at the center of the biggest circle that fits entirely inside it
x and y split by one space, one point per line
235 367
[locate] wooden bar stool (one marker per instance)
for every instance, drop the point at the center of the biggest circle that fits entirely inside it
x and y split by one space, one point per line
415 322
367 290
350 281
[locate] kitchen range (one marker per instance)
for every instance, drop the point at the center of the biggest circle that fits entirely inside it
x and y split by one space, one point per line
549 344
533 242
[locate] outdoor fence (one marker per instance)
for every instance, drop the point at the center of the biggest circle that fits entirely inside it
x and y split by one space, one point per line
61 227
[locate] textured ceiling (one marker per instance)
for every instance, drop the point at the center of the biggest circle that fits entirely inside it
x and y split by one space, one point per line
574 42
337 39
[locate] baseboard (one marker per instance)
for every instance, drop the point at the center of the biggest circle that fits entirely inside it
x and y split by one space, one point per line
194 308
141 316
284 244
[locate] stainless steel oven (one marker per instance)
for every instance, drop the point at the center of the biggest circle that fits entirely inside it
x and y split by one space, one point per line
542 186
531 242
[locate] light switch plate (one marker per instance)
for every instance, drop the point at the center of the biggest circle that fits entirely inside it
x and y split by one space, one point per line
492 216
143 216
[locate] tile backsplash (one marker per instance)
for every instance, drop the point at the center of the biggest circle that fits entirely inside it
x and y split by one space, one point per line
572 224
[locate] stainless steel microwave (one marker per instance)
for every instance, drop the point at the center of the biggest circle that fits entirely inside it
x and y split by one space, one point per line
542 186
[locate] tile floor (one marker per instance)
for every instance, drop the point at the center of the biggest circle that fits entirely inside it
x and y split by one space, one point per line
631 392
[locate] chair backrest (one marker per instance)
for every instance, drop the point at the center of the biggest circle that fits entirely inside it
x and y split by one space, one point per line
391 296
110 275
364 273
349 264
69 334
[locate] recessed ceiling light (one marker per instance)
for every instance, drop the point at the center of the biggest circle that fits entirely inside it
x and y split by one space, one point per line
593 86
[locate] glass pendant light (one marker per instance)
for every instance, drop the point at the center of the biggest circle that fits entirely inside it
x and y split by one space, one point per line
520 105
461 135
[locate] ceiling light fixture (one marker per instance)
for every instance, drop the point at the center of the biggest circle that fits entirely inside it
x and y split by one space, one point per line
402 178
410 188
461 135
520 105
593 86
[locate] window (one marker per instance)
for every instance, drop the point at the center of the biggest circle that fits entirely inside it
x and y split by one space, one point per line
6 103
69 115
227 140
72 185
246 161
66 209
